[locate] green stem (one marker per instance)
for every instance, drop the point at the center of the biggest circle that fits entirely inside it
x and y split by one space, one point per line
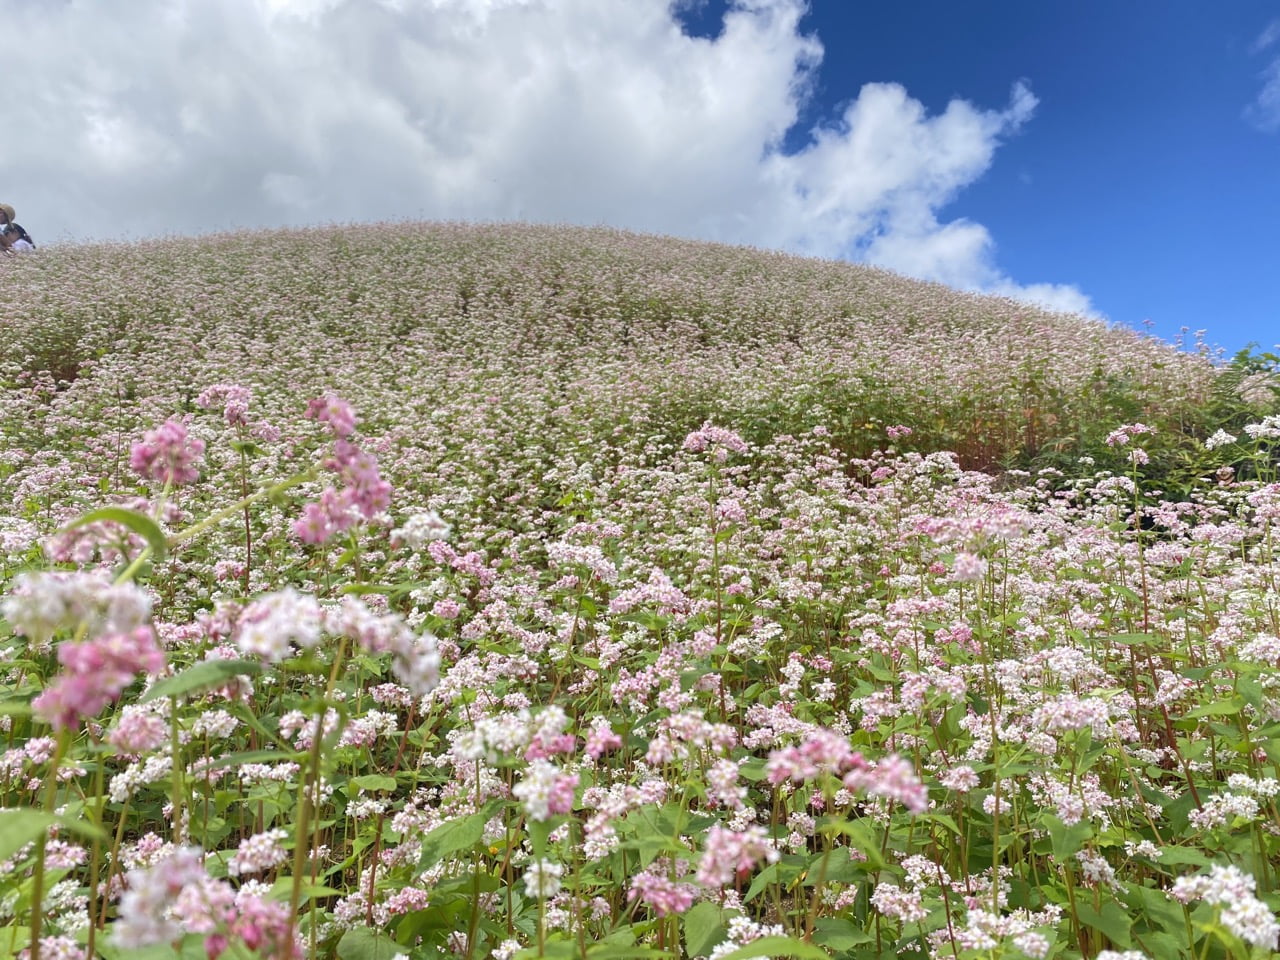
37 880
190 533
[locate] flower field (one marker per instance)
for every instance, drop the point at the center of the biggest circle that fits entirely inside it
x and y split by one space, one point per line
458 591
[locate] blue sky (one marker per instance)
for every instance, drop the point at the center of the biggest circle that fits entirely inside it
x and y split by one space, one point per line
1140 178
1119 158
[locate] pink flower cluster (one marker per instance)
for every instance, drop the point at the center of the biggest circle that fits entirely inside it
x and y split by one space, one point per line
660 893
363 492
823 751
167 455
709 435
176 896
97 672
730 853
234 399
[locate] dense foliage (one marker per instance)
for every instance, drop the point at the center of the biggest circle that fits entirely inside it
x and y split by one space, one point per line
445 590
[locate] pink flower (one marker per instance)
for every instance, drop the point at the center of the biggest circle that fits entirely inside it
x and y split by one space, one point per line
97 672
167 455
335 412
708 435
661 894
894 778
601 740
235 400
729 854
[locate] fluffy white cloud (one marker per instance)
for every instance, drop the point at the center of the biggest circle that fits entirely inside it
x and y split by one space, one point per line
192 115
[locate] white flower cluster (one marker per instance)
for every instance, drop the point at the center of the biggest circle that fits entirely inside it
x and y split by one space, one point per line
419 529
1232 890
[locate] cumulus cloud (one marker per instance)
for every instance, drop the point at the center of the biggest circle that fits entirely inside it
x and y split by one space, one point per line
1264 111
191 116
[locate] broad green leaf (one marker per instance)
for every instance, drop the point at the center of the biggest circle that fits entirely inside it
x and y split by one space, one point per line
704 928
778 947
20 827
80 827
456 835
139 523
373 781
1219 708
1112 921
1067 839
839 934
282 889
761 881
1188 856
361 943
205 675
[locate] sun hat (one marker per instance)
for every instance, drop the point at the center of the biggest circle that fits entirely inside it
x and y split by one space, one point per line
8 211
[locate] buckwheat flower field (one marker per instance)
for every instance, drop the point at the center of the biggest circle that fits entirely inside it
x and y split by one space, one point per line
456 591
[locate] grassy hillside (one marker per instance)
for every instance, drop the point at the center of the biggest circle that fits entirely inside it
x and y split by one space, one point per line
523 592
660 333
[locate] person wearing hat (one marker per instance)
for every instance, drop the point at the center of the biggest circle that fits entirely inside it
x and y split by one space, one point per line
13 238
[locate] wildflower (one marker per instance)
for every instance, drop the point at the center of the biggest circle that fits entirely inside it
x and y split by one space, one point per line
167 455
892 777
601 739
334 411
1241 912
660 893
728 854
708 435
235 400
1219 439
968 568
268 626
892 901
545 790
144 917
960 779
542 879
260 852
139 730
97 672
58 948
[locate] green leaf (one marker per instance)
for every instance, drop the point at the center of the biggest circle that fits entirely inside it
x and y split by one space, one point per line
361 943
80 827
456 835
205 675
1188 856
282 889
1219 708
778 947
1066 839
770 874
1112 921
838 934
704 928
20 827
1138 640
139 523
373 781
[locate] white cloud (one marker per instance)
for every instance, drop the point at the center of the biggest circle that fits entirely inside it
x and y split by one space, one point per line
166 117
1267 37
1264 111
